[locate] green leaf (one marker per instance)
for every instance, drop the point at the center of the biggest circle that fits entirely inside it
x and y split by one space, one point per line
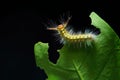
99 62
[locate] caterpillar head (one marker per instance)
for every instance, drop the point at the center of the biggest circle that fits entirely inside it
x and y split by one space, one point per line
61 26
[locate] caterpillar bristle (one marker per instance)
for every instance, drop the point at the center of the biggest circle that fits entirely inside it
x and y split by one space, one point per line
51 28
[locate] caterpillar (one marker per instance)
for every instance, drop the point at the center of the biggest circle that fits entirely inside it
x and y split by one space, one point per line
69 37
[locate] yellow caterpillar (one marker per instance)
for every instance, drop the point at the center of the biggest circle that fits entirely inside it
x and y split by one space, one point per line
73 38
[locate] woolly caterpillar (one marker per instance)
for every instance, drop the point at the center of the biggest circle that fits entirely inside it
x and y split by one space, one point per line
67 37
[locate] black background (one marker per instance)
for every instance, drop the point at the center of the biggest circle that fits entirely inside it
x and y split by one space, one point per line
21 27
